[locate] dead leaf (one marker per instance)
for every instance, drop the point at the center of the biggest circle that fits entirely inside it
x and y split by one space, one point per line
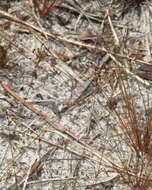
87 35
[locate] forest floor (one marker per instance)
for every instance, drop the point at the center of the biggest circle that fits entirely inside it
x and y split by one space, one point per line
75 95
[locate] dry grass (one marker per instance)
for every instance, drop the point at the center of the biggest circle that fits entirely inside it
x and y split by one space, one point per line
75 112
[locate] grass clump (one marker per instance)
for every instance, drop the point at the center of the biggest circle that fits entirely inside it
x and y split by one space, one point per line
134 130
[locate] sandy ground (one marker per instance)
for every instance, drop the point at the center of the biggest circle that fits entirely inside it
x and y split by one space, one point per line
62 136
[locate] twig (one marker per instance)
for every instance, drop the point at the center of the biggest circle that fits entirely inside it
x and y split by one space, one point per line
26 177
51 180
128 71
113 30
108 183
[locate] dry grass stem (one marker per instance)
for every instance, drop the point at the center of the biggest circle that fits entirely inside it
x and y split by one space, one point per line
75 95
